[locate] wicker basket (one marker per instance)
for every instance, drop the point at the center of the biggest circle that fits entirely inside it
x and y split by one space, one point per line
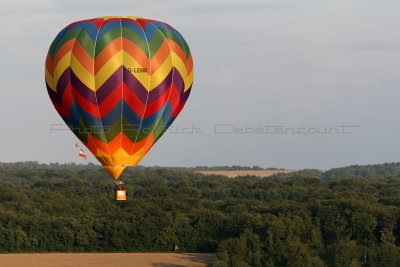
120 195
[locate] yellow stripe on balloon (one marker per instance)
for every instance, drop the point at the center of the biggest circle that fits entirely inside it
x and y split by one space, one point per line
180 66
104 156
81 72
62 65
162 73
123 158
49 80
131 63
108 69
119 157
182 69
132 160
189 81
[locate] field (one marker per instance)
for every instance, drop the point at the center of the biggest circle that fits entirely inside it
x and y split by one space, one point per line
259 173
105 259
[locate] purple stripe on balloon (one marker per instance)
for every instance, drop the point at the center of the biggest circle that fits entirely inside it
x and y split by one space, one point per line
160 89
140 91
104 91
185 95
82 89
135 86
53 95
178 81
113 81
62 85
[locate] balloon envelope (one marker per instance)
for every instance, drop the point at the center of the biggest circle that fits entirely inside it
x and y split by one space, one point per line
119 83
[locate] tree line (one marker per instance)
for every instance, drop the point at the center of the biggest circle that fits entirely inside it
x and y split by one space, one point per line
305 218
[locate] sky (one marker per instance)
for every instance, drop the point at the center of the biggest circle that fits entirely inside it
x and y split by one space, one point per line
278 83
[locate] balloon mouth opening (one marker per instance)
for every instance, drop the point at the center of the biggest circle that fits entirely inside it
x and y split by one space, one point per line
114 171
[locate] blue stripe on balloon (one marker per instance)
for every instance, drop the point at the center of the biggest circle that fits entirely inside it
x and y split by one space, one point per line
167 114
150 31
135 27
108 26
77 114
113 115
149 121
89 28
60 35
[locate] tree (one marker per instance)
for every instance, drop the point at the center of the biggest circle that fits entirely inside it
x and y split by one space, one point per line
346 253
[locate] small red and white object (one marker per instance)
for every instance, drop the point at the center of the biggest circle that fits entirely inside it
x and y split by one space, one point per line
82 154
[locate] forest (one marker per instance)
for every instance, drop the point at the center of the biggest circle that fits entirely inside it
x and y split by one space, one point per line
342 217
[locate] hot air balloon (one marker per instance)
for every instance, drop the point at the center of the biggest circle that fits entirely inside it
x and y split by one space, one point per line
118 83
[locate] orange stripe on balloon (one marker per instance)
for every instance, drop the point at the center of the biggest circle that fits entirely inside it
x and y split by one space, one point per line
49 64
93 144
90 144
126 143
97 144
83 57
189 64
64 49
159 58
135 52
107 53
110 148
115 144
177 49
143 144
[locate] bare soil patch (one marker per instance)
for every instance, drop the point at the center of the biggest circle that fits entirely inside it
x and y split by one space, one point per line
259 173
106 260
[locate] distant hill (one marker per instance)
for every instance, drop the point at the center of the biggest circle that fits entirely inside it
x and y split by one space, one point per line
375 171
309 173
364 171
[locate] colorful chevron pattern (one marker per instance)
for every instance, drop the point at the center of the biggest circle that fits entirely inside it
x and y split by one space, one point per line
119 83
